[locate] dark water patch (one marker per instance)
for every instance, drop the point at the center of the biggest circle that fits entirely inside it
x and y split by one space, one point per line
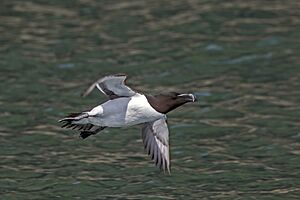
269 41
213 48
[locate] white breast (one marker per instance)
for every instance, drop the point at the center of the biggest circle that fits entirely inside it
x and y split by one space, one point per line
139 111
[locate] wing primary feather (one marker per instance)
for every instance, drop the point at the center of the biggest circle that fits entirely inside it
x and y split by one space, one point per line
158 156
64 125
151 149
69 125
112 86
156 153
149 145
89 90
155 136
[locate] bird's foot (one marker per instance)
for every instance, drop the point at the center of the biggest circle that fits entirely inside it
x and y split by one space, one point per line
85 134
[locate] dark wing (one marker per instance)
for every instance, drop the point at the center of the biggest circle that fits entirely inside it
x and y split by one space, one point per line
156 140
112 86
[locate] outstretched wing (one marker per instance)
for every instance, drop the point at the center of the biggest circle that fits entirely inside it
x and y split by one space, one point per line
112 86
156 141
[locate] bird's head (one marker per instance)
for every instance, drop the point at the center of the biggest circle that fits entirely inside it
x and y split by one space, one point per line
164 103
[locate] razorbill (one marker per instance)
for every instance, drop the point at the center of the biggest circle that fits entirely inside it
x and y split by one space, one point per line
126 107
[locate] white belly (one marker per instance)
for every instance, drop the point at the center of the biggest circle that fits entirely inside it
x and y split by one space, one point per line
124 112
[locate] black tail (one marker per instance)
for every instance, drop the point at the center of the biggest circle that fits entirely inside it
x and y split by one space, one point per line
85 129
68 121
74 117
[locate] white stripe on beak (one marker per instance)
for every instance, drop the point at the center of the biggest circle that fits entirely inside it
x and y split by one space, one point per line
190 95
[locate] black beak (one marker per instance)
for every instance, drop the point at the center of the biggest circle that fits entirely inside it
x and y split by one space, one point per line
189 97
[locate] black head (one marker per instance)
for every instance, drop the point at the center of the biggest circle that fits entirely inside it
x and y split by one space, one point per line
164 103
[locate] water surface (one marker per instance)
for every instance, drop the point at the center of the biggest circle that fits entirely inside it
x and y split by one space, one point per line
240 141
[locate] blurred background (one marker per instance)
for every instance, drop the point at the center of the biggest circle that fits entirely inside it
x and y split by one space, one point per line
240 141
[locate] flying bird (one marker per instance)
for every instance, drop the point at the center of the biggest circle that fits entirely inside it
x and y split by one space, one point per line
124 108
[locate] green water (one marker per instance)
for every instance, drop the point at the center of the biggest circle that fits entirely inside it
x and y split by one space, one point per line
240 141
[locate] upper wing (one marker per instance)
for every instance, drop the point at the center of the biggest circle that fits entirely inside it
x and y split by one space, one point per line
113 86
156 140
